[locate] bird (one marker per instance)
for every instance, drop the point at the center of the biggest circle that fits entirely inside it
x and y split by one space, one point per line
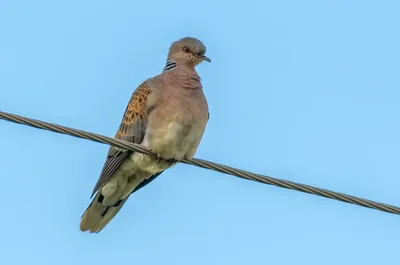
167 114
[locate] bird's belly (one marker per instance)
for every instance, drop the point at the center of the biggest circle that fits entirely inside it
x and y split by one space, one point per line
174 140
171 141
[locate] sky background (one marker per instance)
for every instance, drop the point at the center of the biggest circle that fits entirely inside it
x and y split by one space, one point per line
306 90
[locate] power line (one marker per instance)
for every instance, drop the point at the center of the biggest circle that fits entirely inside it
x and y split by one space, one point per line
203 163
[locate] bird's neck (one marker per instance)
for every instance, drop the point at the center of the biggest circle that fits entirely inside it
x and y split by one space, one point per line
185 75
171 64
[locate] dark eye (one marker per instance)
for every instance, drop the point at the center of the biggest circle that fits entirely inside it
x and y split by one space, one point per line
186 49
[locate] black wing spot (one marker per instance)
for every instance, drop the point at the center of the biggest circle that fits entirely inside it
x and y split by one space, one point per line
117 203
108 207
105 211
101 198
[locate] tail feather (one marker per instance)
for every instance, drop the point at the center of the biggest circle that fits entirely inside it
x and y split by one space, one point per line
107 201
98 215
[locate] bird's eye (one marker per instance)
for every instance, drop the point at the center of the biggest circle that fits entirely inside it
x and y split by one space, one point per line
186 49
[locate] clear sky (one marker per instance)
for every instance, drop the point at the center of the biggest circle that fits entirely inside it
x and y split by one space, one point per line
302 90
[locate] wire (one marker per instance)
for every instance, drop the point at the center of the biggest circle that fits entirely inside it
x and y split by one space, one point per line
203 163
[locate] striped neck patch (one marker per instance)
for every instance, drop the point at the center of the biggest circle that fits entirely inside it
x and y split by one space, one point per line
170 65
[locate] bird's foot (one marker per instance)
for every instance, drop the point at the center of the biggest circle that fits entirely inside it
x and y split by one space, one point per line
171 161
168 161
159 158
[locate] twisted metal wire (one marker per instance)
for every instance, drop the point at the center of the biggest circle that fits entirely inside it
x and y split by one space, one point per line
203 163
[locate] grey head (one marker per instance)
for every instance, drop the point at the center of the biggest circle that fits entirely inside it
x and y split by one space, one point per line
189 51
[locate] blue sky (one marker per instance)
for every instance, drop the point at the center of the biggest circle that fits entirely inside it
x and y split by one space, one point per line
302 90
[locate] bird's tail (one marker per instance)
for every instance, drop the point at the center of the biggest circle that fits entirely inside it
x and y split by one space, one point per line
98 215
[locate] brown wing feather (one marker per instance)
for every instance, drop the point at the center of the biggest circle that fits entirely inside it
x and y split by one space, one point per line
132 129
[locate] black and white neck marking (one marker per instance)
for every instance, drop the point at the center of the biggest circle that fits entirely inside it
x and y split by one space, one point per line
170 65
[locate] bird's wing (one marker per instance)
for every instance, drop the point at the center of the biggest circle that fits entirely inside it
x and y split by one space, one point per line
132 129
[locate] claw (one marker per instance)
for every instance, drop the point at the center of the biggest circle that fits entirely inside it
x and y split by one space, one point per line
171 161
159 158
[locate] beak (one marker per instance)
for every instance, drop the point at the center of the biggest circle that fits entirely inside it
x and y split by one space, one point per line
205 58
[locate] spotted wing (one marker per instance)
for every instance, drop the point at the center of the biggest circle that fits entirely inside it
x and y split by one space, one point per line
132 129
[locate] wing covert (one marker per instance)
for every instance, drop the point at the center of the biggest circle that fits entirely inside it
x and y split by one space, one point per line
132 129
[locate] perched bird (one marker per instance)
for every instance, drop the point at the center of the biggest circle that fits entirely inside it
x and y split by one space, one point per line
167 114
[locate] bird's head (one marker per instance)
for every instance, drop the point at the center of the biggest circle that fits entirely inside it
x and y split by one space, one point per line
188 50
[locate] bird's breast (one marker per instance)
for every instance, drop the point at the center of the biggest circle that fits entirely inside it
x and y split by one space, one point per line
176 126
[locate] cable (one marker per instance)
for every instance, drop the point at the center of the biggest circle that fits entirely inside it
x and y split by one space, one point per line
203 163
